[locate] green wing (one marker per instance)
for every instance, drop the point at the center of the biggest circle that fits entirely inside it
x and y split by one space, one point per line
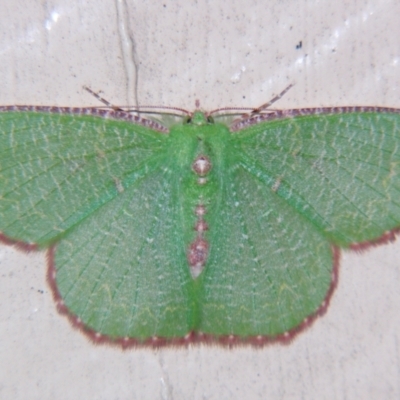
293 188
57 169
104 187
340 171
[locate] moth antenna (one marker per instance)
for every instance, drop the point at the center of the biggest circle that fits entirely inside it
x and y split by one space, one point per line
254 110
272 101
116 108
103 100
149 107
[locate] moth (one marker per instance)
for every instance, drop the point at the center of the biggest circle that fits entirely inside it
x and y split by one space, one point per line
200 232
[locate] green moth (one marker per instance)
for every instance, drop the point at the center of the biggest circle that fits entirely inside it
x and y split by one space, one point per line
203 232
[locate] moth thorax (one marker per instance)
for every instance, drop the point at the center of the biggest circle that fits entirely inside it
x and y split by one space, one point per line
201 165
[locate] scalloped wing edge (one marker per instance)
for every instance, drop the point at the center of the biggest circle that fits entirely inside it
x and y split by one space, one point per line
192 337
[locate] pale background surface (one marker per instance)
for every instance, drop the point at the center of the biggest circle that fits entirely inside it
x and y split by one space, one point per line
235 53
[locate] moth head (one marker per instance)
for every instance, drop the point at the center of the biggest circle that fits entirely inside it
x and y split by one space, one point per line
199 118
